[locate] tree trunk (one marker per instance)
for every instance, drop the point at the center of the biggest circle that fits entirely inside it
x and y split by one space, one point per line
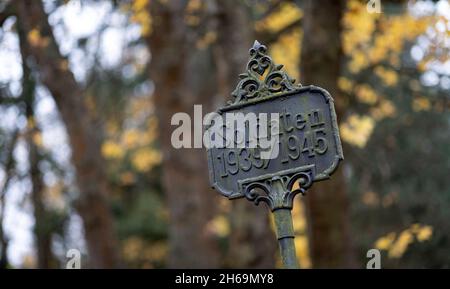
252 241
200 64
183 74
327 203
92 205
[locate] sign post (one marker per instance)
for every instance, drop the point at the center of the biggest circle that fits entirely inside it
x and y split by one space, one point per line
272 141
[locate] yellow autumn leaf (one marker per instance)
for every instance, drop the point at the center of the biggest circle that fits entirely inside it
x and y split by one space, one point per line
34 36
385 242
388 76
384 109
358 27
365 94
131 138
401 244
112 150
421 104
424 233
396 247
219 226
139 5
370 38
356 130
345 84
37 139
145 159
358 61
35 39
141 16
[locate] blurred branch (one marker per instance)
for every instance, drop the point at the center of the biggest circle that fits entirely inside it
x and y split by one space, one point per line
9 174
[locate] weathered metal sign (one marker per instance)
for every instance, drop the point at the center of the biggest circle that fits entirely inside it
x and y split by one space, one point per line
308 146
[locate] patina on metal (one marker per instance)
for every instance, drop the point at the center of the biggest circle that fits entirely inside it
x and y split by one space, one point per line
309 145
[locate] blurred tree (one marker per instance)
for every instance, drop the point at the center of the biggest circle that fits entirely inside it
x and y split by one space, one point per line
212 39
41 51
327 203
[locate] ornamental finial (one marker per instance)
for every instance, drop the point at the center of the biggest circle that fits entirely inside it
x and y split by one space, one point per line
263 77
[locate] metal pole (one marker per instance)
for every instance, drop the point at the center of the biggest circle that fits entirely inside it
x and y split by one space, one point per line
285 235
285 229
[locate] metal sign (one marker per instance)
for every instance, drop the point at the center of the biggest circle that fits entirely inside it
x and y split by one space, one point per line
307 147
309 141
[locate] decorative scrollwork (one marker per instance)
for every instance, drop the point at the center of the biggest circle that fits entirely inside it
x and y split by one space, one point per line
262 78
277 192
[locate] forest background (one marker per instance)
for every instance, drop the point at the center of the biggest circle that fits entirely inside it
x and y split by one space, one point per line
87 90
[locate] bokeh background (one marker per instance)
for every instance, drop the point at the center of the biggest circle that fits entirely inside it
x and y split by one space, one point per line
87 90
